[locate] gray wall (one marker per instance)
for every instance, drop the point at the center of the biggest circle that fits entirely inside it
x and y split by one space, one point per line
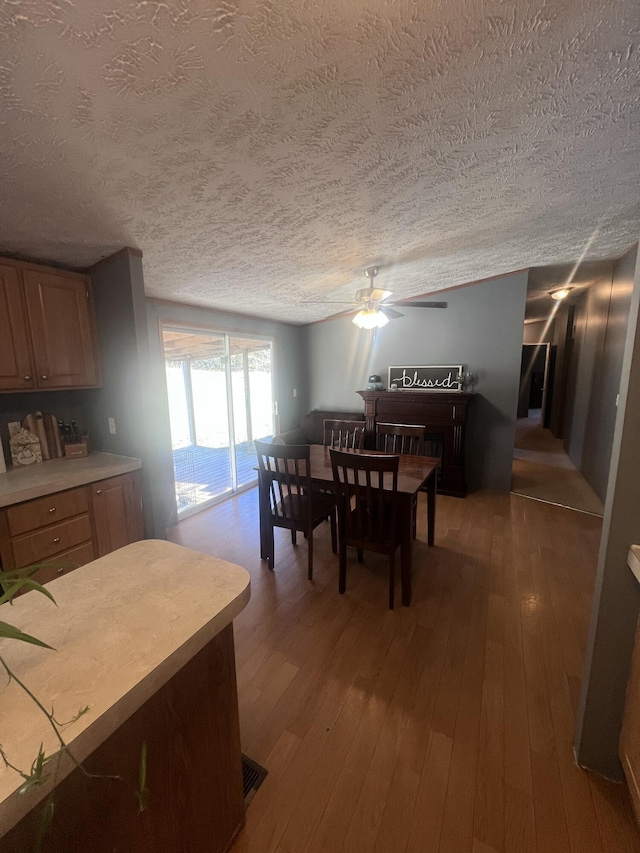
481 329
617 594
540 332
600 325
127 393
290 366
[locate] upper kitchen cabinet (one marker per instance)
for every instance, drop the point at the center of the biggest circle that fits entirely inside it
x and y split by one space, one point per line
16 364
47 329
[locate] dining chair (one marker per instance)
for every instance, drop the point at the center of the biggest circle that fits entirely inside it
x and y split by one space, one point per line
366 490
405 439
400 438
343 435
287 499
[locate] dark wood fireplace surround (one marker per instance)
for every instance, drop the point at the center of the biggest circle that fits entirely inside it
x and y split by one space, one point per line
442 414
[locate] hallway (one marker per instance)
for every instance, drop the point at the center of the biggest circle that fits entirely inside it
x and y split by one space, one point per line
542 470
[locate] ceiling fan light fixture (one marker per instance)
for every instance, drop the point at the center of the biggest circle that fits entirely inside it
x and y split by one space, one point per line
560 292
370 318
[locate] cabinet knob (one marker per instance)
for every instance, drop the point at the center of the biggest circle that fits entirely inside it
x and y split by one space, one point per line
56 540
44 376
53 509
98 491
61 570
27 379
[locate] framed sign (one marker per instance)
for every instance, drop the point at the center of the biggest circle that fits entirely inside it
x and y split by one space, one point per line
437 377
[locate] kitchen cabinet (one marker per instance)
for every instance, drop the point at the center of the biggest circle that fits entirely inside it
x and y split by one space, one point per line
117 514
73 527
16 364
47 329
630 734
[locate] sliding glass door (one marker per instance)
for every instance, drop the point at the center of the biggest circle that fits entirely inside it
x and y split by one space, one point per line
220 391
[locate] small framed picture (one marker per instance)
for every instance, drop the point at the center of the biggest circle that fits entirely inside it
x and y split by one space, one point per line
426 377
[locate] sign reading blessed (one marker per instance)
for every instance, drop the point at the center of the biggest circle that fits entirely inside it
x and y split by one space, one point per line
426 378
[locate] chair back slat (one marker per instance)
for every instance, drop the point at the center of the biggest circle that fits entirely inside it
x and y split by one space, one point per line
343 435
400 438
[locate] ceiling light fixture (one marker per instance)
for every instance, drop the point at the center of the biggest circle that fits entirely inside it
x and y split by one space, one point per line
370 318
560 293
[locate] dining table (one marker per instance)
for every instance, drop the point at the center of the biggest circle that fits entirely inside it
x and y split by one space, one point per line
415 474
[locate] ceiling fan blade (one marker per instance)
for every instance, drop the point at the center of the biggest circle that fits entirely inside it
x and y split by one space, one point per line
389 312
412 304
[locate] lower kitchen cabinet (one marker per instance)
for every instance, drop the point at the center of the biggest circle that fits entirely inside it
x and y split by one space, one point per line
68 529
117 512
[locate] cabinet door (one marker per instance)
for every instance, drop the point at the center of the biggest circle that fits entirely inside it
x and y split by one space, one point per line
117 512
60 319
630 737
16 371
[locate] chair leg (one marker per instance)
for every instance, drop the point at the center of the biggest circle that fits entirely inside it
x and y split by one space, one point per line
334 532
342 566
392 578
271 548
293 537
310 554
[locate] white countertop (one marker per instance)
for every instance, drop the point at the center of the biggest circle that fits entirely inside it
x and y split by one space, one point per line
23 483
122 627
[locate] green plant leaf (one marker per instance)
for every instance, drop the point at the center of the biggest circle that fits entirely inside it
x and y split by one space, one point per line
13 633
24 582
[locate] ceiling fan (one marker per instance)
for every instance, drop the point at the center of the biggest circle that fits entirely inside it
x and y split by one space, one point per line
377 310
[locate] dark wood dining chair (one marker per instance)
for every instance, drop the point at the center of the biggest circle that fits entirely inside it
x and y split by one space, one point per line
405 439
343 435
400 438
366 490
287 499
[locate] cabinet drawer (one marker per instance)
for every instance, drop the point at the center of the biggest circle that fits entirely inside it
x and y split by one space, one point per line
45 511
50 541
64 563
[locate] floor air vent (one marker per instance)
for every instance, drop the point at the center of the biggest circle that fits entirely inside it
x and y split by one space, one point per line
252 777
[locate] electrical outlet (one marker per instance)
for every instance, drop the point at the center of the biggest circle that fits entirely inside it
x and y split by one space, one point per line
295 392
112 426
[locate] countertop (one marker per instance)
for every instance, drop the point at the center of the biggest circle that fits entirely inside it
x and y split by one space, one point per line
122 627
23 483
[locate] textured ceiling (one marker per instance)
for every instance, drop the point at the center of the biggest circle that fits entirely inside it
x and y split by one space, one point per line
263 153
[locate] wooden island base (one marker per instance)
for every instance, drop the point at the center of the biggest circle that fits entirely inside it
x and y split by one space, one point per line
194 774
143 639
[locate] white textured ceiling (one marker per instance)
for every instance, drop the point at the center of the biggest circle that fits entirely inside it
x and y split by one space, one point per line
263 153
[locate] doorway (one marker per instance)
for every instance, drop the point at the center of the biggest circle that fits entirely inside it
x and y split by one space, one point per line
537 370
542 469
220 392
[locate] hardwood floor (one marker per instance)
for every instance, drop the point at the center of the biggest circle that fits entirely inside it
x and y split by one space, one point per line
446 726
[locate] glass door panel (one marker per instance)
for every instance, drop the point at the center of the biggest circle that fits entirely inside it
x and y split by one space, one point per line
220 392
252 390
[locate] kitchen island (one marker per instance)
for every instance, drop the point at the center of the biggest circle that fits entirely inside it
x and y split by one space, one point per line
143 637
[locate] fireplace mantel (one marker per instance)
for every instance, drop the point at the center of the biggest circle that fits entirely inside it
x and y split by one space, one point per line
441 413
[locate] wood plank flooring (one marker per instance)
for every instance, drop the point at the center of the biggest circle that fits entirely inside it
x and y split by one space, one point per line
445 727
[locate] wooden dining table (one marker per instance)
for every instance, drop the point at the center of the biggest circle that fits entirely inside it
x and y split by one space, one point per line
415 473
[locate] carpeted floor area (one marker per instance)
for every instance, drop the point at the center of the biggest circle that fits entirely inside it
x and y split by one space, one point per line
542 470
